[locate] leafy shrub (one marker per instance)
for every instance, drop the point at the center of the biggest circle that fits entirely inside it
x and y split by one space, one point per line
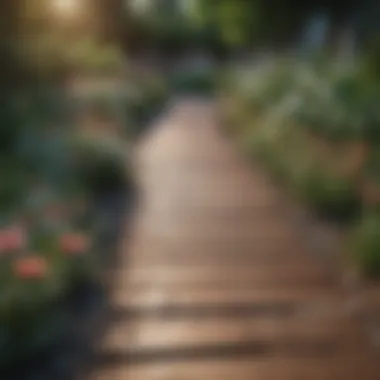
34 288
293 160
318 130
89 56
47 234
44 54
100 163
338 103
13 188
43 258
330 194
196 81
145 103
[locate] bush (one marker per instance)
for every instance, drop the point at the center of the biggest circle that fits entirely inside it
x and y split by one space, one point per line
338 103
193 82
330 194
43 258
298 164
101 164
91 57
47 229
43 54
145 103
317 129
13 188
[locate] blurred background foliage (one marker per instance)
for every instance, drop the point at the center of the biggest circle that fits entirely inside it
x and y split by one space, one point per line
307 108
46 43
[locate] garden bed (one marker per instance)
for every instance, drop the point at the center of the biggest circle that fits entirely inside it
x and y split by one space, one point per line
80 315
63 206
330 161
316 133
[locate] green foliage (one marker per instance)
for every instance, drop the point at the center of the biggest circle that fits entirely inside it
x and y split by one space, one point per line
35 285
193 81
289 94
101 164
365 245
43 54
336 102
44 195
330 194
372 166
150 99
297 114
237 22
89 56
242 23
46 229
372 59
14 188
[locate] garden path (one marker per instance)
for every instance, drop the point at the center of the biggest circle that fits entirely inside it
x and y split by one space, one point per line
217 281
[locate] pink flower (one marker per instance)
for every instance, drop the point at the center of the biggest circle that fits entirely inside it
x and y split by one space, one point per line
74 243
12 239
33 267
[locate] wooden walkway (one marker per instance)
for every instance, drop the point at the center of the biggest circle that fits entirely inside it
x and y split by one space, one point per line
217 282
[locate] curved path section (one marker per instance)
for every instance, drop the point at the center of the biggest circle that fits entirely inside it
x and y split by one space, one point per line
217 281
